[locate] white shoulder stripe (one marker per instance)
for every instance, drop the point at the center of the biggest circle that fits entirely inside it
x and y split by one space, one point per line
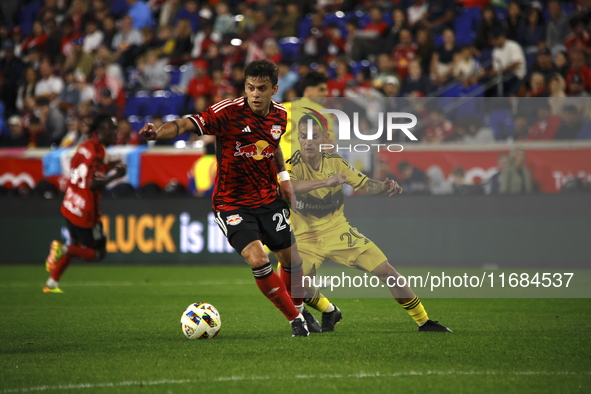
218 109
221 103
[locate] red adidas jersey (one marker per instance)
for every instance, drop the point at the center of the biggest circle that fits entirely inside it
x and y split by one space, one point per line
81 205
246 145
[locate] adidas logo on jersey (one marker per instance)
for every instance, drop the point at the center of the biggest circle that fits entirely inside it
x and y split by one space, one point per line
246 129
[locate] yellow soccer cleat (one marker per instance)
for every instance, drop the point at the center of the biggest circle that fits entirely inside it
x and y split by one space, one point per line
48 289
55 253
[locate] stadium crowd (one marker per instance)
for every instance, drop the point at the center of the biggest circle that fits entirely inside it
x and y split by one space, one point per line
63 61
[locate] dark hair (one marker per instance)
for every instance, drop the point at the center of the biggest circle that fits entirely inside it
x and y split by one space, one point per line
312 79
262 68
100 121
403 165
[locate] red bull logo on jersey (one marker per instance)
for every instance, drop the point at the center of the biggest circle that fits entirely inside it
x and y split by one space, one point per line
276 131
234 220
257 151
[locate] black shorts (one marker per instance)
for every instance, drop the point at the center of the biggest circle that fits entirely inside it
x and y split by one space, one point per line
93 237
269 224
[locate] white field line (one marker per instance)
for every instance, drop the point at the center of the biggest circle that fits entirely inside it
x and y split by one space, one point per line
294 377
128 283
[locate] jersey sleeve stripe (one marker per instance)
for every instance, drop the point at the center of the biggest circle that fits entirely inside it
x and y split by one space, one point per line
360 182
218 109
197 126
214 107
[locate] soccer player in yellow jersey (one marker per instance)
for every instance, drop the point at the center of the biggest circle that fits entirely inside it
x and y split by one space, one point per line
322 231
314 91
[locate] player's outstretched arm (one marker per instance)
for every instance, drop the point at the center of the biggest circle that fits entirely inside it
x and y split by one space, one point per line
285 187
168 130
389 186
100 181
301 186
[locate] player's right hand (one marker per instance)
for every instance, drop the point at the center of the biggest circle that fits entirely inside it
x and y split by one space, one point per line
336 180
120 170
148 131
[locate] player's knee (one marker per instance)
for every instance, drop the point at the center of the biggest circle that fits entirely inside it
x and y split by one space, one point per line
385 270
258 261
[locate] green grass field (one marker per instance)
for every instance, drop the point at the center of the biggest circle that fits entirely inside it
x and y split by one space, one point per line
116 329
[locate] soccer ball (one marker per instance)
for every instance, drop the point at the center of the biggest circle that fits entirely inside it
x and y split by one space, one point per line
201 321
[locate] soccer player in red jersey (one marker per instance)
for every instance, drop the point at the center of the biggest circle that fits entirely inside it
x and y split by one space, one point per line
80 208
248 208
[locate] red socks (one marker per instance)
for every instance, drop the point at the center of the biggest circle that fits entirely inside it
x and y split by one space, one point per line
60 267
274 289
82 253
292 278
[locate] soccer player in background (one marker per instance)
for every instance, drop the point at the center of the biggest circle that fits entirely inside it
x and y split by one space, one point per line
248 208
89 170
323 232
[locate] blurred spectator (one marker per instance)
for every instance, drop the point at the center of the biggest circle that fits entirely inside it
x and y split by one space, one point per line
425 48
49 85
125 134
54 40
78 59
442 60
487 24
385 66
337 85
36 39
544 63
271 50
190 12
261 31
494 184
220 87
201 83
17 136
439 129
224 20
576 86
557 28
70 95
106 105
237 78
125 40
26 88
114 70
399 23
572 123
461 186
531 32
11 68
246 25
99 10
52 121
72 133
514 20
404 53
288 22
152 71
579 39
417 84
391 87
140 13
508 59
103 80
181 50
547 126
17 39
315 44
109 31
516 178
86 89
556 93
168 12
440 15
466 68
579 68
68 36
93 38
77 13
287 79
414 14
537 86
362 87
412 180
476 133
203 40
561 63
149 42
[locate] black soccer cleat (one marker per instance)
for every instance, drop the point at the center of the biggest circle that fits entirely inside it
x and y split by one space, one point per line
311 322
329 319
433 326
299 328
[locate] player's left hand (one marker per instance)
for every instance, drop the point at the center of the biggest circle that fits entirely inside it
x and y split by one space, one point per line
392 187
287 193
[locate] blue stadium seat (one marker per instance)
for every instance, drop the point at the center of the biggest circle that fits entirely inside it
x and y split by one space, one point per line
501 122
339 19
290 48
466 24
137 104
27 16
175 74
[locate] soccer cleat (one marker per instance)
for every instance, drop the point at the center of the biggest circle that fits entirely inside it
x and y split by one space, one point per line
329 319
299 328
55 253
433 326
311 322
56 290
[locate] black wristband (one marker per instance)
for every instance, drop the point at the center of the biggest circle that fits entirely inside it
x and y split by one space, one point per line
174 122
